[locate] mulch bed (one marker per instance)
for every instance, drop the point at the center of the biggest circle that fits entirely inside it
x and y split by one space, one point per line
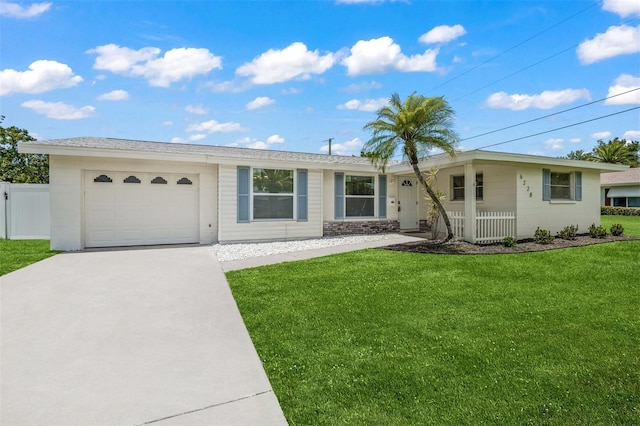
462 247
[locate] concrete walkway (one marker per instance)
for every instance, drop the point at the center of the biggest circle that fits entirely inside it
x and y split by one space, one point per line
128 337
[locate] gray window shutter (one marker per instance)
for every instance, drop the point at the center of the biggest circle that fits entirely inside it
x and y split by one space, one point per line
243 194
339 194
382 196
546 185
578 186
303 201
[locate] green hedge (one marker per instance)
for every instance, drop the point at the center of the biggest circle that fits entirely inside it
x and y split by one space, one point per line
619 211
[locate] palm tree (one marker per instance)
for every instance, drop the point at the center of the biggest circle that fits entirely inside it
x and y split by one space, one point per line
616 151
413 127
579 155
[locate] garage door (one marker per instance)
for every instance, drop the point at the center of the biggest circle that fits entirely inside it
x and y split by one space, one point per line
126 209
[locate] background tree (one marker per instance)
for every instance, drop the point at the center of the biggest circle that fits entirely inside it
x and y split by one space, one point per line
16 167
616 151
413 128
579 155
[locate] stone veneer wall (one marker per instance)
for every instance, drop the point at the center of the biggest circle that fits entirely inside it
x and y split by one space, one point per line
360 227
423 225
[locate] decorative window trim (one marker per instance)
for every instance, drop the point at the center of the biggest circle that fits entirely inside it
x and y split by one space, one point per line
103 179
131 179
574 186
159 180
184 181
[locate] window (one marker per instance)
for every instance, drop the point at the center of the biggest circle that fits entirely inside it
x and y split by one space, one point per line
272 194
360 196
561 186
457 187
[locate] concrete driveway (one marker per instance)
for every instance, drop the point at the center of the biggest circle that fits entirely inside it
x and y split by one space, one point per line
128 337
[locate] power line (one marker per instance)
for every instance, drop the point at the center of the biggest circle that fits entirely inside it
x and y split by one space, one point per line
549 115
559 128
515 46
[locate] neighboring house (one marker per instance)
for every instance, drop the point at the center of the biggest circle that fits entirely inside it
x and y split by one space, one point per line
621 189
111 192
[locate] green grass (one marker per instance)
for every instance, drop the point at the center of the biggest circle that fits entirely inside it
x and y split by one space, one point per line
380 337
631 224
16 254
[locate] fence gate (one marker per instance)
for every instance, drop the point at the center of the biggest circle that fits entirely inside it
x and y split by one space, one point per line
24 211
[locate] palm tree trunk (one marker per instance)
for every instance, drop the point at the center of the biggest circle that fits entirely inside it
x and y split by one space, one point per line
435 200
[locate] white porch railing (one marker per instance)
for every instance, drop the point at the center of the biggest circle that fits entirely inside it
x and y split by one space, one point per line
491 227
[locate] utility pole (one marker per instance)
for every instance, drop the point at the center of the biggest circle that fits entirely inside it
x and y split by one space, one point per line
330 139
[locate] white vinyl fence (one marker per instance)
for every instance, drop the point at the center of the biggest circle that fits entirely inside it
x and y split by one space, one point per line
24 211
491 227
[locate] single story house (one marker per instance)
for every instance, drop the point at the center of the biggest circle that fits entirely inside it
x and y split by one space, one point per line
113 192
620 189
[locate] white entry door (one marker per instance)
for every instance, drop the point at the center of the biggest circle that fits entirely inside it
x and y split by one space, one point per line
134 208
408 203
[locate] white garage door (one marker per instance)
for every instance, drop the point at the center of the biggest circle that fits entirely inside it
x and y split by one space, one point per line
126 209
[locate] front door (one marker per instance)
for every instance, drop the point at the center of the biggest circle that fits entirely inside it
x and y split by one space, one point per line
408 204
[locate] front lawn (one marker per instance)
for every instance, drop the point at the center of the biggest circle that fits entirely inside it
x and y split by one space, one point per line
631 224
16 254
380 337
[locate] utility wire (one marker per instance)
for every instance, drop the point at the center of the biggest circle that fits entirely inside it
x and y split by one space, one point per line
516 46
559 128
549 115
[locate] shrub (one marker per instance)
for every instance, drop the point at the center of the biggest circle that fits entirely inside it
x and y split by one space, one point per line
509 241
542 236
617 229
597 231
568 233
619 211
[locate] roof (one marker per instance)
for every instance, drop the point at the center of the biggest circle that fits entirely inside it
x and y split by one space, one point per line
56 146
124 148
631 176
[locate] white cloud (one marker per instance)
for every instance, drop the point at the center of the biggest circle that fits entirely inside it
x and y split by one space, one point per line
352 147
366 105
114 95
443 34
259 102
545 100
624 83
15 10
254 143
167 123
175 65
197 137
291 91
383 54
275 139
294 61
196 109
616 41
622 7
212 126
361 87
601 135
633 135
554 144
42 76
59 110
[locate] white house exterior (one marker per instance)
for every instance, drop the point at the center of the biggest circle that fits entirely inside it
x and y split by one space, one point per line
621 189
111 192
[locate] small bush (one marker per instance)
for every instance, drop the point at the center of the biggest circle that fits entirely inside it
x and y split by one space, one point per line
568 233
617 229
509 241
543 236
597 231
619 211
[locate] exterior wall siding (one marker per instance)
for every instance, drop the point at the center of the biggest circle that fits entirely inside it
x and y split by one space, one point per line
533 212
232 231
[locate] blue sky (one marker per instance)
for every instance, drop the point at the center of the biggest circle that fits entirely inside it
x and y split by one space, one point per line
289 75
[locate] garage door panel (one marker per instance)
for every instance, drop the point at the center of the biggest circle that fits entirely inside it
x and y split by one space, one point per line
119 213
